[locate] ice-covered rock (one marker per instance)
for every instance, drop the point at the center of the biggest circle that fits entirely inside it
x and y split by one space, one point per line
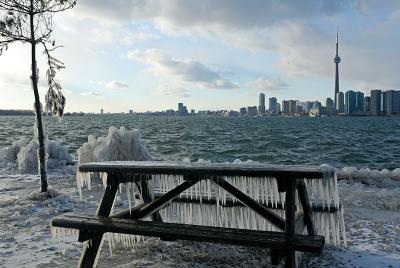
27 158
120 144
382 178
24 155
9 154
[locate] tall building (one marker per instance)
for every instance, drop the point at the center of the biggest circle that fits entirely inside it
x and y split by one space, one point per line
261 103
289 106
337 60
252 110
376 96
273 105
396 103
285 107
391 102
101 111
329 106
350 102
329 103
359 101
317 104
340 102
292 107
309 105
180 107
367 104
182 110
243 111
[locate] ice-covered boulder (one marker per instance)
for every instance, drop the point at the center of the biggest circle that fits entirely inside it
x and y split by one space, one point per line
9 154
24 155
27 158
381 178
119 145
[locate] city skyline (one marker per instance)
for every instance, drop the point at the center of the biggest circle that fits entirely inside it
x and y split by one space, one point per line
151 55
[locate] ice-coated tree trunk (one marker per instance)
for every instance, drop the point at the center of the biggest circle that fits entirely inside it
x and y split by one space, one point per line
39 123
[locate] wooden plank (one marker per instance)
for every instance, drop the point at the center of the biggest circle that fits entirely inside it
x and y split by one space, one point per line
89 253
163 200
145 192
275 240
305 203
215 169
251 203
127 213
231 203
290 222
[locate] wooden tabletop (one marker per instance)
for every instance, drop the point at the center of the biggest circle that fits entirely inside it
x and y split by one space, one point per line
207 169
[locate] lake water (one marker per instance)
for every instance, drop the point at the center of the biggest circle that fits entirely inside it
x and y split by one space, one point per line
372 142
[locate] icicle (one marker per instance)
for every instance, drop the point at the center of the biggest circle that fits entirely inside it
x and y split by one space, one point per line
128 195
103 176
59 233
110 244
342 226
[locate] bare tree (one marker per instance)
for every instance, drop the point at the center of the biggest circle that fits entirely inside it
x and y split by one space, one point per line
31 21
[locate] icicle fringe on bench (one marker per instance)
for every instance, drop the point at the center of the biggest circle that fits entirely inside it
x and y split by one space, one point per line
262 189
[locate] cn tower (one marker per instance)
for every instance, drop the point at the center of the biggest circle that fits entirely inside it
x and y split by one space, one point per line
336 60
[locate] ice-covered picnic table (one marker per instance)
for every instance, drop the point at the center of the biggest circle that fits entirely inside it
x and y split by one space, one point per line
283 208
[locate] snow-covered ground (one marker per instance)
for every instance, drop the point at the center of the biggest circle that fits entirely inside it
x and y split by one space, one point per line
372 219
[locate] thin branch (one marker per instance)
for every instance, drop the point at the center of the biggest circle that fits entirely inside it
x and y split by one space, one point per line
57 7
55 100
16 7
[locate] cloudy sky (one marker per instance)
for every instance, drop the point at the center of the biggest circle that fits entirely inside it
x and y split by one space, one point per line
210 54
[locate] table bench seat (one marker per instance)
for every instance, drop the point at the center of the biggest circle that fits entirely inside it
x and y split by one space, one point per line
276 240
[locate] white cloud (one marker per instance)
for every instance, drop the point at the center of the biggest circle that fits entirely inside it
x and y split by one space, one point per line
91 94
113 84
186 72
300 32
238 14
116 85
267 84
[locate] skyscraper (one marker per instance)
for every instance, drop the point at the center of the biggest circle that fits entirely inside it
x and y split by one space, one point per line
359 101
340 102
367 104
285 107
273 105
261 103
391 102
336 60
350 102
376 102
328 103
292 106
309 105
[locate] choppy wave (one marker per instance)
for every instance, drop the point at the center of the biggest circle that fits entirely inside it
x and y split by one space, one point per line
365 143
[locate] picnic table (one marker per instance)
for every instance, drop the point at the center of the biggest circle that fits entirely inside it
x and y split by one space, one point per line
282 244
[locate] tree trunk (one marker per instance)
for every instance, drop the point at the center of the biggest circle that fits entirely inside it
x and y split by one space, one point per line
39 123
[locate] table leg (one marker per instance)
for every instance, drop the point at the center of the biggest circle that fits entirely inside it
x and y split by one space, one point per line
290 221
147 199
90 251
305 203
